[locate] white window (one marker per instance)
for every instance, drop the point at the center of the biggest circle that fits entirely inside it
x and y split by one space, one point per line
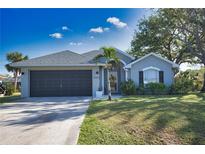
151 74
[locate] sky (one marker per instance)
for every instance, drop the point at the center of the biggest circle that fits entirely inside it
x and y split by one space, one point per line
36 32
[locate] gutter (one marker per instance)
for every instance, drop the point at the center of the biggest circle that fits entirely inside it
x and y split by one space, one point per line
59 65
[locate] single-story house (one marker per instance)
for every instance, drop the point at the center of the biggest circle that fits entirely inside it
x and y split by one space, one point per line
2 78
68 73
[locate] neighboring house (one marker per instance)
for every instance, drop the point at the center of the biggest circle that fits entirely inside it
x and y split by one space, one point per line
2 78
12 79
71 74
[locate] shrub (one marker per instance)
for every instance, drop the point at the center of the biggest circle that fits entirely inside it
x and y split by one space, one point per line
181 86
140 90
156 88
128 87
9 88
153 89
185 82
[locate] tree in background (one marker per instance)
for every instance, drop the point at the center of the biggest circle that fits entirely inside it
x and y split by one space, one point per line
188 81
191 31
158 34
13 57
109 54
177 34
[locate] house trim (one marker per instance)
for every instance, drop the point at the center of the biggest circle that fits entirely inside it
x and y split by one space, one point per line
126 54
56 65
151 67
153 54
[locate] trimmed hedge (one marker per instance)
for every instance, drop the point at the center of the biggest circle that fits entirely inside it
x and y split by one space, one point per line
153 89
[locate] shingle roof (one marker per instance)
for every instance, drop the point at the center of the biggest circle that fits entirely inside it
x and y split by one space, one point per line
63 58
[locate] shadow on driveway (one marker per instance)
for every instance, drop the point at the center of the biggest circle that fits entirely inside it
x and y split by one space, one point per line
41 115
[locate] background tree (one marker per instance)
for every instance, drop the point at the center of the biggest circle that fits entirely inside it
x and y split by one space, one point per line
13 57
177 34
109 54
157 34
191 31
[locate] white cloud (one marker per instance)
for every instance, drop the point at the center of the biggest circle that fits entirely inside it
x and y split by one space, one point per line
56 35
106 29
92 37
75 43
97 30
116 21
65 28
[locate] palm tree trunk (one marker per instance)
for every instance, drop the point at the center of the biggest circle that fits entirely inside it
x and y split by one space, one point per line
15 80
108 85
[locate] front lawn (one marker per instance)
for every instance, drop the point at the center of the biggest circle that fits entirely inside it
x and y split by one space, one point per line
146 120
7 99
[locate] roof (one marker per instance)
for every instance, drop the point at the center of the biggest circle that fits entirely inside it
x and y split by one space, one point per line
91 54
64 58
152 54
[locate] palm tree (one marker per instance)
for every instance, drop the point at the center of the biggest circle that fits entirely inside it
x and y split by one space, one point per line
109 54
13 57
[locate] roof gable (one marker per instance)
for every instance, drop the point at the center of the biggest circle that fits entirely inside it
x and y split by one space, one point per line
94 53
66 58
152 54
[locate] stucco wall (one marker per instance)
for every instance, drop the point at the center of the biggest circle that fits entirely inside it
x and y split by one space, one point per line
155 62
25 79
128 74
25 83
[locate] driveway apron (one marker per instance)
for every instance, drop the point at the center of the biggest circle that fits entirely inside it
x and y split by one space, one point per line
53 120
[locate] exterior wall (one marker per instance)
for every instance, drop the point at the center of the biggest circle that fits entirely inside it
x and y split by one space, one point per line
101 73
95 80
155 62
25 83
25 79
128 74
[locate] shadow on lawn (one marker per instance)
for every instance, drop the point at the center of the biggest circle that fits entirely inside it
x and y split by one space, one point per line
187 113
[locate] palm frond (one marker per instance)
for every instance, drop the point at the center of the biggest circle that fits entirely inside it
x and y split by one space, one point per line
9 68
25 58
96 58
110 54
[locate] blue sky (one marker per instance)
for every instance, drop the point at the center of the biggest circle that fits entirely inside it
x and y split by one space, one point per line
36 32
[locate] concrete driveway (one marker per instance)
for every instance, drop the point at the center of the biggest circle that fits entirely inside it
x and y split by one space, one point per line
54 120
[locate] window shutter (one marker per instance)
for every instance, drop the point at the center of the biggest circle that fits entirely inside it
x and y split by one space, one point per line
141 80
161 76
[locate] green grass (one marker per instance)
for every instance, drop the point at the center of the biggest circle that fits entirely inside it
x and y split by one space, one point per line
146 120
7 99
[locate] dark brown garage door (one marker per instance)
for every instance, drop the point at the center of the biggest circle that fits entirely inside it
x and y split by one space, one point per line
61 83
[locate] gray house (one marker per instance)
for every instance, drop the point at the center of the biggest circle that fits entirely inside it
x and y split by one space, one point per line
71 74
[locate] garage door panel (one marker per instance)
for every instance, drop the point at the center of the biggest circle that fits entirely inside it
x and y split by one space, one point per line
61 83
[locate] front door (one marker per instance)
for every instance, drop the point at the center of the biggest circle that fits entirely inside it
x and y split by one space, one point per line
113 81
